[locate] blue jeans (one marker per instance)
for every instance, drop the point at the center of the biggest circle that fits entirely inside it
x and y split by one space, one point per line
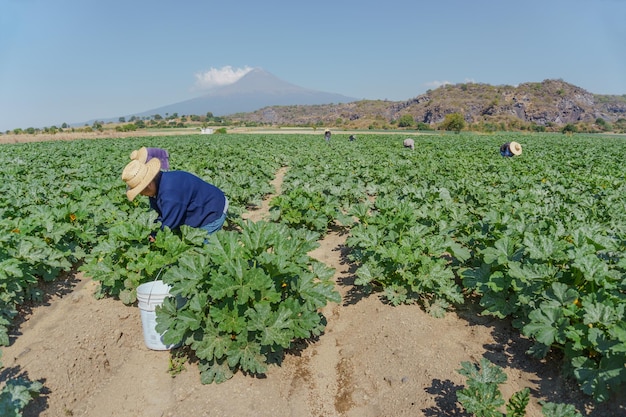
215 225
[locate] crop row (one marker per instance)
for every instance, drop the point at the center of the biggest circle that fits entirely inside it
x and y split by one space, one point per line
539 239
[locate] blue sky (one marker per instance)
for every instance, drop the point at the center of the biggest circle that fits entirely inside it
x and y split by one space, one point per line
77 60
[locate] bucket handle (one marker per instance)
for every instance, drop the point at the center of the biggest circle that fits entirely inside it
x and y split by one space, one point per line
155 279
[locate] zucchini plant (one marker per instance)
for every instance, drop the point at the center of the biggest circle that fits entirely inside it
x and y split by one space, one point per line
247 296
482 396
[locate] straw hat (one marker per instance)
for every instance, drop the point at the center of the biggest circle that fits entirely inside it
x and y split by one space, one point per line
140 154
516 148
137 175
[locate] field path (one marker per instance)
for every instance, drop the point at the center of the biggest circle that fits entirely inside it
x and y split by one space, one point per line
263 212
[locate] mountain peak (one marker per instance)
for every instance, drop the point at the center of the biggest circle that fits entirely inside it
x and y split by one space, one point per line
255 90
257 81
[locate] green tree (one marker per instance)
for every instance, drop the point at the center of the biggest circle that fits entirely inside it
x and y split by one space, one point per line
453 122
406 120
130 127
569 128
603 124
537 128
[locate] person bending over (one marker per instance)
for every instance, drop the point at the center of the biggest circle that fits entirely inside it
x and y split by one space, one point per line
179 197
510 149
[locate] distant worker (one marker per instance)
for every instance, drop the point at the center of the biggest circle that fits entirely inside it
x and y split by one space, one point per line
409 143
352 138
510 149
144 154
327 136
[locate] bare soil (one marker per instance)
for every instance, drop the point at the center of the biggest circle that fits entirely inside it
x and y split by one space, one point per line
373 360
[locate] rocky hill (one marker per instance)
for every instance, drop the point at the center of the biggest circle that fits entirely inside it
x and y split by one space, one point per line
547 103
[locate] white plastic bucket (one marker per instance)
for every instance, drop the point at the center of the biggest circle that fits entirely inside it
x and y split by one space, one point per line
150 295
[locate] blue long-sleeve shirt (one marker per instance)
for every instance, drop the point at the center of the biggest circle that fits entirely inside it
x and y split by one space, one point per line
183 198
505 150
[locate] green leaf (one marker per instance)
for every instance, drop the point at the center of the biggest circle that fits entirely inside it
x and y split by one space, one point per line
224 246
247 356
189 275
396 294
4 333
618 332
475 278
549 409
216 371
307 323
597 378
482 397
127 297
546 324
516 406
544 248
16 394
193 236
598 313
562 293
504 250
187 319
367 274
226 285
10 268
229 319
212 346
258 285
486 373
273 327
459 251
592 268
535 273
315 293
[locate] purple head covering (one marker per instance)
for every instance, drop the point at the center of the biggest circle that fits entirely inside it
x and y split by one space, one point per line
160 154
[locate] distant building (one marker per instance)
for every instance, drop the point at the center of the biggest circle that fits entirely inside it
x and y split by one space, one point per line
206 131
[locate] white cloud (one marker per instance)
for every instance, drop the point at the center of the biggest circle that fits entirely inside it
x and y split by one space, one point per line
435 84
216 77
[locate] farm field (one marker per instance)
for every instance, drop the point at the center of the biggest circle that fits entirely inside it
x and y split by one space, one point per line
422 260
